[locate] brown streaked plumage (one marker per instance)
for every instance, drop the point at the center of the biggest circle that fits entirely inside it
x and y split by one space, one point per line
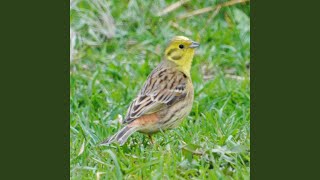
166 97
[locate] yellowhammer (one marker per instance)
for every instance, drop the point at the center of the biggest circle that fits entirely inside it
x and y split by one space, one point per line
167 95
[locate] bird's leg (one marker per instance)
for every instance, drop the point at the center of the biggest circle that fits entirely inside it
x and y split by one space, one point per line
150 137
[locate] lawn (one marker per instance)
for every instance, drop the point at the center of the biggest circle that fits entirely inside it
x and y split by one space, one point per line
111 59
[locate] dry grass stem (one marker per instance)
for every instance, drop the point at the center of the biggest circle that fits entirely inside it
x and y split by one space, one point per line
208 9
210 19
73 50
238 78
178 27
172 7
99 174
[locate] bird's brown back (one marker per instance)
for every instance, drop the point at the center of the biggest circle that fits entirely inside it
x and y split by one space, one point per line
166 92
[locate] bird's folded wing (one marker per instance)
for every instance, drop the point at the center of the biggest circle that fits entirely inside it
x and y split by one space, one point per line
162 89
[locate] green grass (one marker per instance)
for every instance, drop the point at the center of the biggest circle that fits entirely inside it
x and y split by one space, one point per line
107 70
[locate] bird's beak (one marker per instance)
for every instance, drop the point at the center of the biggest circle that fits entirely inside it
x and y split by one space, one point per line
194 45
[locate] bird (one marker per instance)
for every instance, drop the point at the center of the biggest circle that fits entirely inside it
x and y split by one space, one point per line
166 97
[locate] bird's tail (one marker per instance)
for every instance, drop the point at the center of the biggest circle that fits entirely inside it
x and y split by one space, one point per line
121 136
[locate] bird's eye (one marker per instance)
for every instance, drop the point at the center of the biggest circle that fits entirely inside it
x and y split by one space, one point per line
181 46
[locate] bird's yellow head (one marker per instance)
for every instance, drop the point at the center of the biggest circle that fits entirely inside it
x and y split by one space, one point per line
180 51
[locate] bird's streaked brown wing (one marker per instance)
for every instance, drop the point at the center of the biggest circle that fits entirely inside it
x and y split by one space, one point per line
162 89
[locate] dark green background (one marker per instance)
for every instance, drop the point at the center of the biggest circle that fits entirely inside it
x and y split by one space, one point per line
34 90
284 90
35 96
